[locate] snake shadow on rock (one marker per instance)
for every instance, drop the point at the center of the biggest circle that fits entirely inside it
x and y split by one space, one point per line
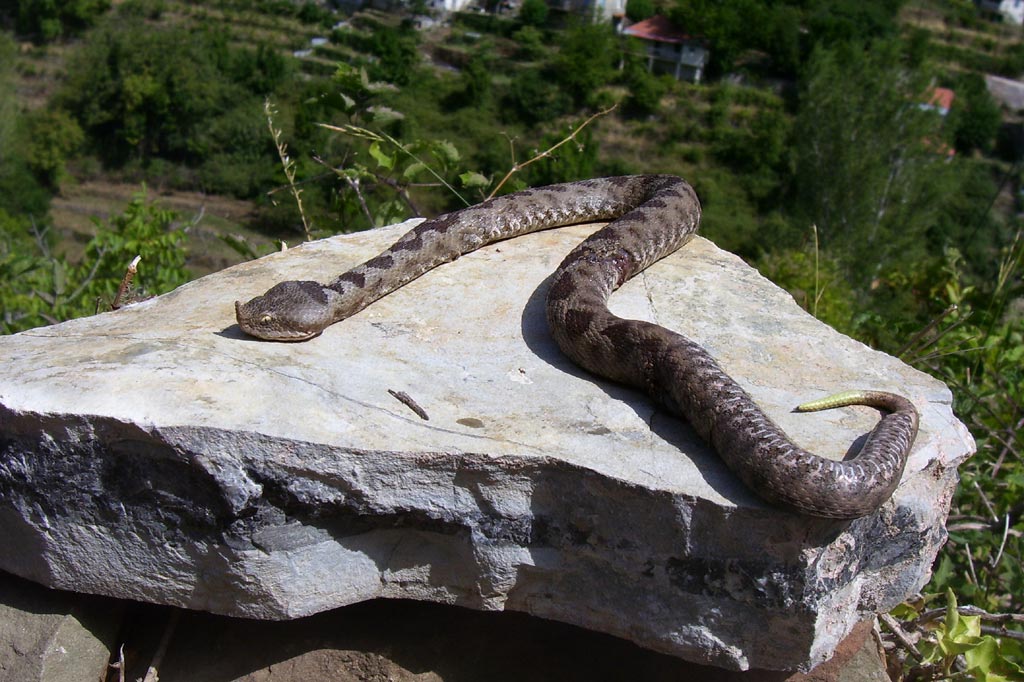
672 429
235 333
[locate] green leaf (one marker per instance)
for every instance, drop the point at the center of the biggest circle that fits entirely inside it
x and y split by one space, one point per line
446 151
384 115
60 278
473 180
904 611
384 160
414 169
982 657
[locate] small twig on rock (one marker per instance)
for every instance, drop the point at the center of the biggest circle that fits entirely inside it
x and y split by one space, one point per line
405 399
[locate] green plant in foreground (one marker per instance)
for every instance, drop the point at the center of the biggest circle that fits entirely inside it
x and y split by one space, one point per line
38 287
977 347
955 643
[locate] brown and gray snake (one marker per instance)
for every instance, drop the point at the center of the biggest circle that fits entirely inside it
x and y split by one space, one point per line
651 216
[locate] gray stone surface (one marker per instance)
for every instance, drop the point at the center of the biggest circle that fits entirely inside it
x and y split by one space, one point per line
1009 93
157 454
50 636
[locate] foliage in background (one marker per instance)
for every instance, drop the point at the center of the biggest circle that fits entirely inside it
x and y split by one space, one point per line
954 643
141 92
638 10
8 104
872 178
533 12
51 138
47 20
975 117
39 287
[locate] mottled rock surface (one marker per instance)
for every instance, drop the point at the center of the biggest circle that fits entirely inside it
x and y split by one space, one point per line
52 636
157 454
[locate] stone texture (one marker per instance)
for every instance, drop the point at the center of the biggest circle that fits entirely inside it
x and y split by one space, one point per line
51 636
157 454
383 640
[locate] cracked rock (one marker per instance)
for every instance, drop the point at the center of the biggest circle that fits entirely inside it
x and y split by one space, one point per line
158 454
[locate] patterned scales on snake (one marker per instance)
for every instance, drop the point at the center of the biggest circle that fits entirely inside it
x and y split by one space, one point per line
651 216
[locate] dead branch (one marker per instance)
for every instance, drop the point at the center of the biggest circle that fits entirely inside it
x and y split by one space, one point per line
901 635
405 399
152 673
516 167
126 283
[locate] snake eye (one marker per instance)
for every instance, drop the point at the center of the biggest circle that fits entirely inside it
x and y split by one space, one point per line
266 318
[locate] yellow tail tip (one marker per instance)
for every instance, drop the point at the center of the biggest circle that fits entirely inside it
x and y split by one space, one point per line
880 399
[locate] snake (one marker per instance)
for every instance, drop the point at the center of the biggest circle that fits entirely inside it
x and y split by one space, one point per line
648 217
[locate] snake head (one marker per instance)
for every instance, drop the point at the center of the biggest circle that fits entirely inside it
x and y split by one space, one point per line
289 311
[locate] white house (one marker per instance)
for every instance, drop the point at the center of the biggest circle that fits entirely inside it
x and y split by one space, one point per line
600 10
1011 11
669 50
448 5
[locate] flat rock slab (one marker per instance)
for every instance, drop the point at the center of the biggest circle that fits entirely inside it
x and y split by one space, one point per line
157 454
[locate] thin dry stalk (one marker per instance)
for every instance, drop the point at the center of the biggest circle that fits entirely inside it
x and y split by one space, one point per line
516 167
367 134
818 290
289 166
152 673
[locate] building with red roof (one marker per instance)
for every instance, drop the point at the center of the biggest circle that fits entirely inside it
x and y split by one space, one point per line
669 49
940 100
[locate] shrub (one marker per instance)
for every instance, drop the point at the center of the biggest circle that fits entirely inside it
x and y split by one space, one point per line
52 136
533 12
638 10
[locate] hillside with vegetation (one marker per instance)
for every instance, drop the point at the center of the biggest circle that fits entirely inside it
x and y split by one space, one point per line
201 133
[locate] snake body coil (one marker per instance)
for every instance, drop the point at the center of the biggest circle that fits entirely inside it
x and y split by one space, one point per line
651 216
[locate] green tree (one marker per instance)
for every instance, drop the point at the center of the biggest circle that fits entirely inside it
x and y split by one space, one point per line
142 91
475 79
396 50
834 22
586 60
638 10
142 229
870 170
21 192
534 98
262 70
785 30
530 42
52 136
781 38
23 272
533 12
569 162
645 90
729 27
8 105
975 117
52 19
